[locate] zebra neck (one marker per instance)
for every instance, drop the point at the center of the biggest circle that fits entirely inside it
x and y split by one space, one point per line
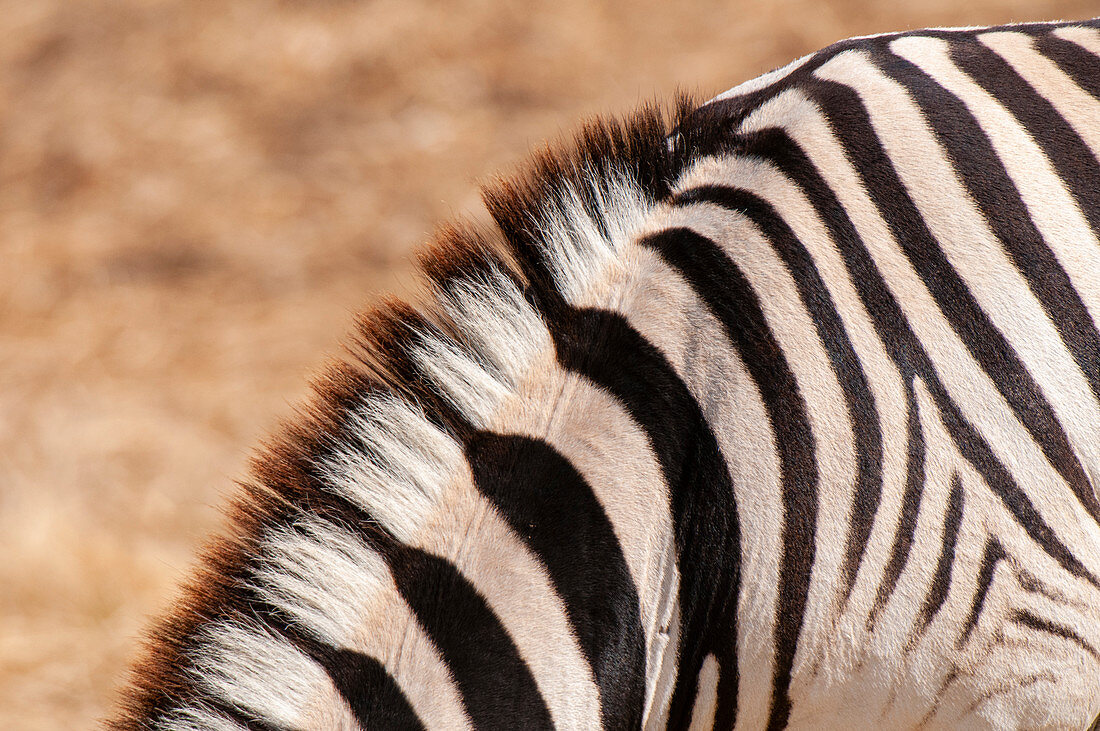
583 435
505 513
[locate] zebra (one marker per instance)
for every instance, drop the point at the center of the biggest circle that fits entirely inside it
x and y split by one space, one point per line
777 411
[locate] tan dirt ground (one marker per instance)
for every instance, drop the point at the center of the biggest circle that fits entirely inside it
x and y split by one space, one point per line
194 198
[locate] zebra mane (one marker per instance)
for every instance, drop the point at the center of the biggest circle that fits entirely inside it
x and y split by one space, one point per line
368 452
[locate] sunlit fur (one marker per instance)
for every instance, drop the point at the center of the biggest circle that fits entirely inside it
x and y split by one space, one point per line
892 535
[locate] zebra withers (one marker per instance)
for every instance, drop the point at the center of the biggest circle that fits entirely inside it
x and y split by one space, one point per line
783 411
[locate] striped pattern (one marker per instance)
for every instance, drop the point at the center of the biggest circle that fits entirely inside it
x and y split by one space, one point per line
788 417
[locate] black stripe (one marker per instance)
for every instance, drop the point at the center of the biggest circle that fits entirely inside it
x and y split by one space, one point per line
497 687
384 706
554 510
993 554
1012 688
1033 585
1025 618
894 332
371 693
1079 64
730 111
238 715
989 184
494 682
941 579
853 129
729 295
862 412
1074 161
604 348
910 509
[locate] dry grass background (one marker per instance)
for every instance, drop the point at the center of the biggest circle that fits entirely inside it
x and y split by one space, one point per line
194 196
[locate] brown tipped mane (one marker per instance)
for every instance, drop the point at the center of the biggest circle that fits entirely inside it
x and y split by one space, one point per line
650 150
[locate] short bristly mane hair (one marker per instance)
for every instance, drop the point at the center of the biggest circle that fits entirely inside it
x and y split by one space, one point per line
552 225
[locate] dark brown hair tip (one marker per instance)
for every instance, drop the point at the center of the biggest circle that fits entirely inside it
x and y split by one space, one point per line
284 479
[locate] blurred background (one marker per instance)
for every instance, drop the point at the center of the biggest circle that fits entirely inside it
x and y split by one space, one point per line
194 198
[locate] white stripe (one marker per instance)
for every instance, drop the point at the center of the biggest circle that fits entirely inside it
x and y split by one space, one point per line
706 697
1079 108
593 431
322 576
198 718
396 465
497 324
764 80
340 590
473 536
1086 38
581 257
502 336
662 660
251 668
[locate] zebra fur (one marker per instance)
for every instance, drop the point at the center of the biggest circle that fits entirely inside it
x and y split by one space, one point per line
779 411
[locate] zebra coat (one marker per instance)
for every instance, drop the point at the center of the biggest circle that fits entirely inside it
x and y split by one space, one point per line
781 411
